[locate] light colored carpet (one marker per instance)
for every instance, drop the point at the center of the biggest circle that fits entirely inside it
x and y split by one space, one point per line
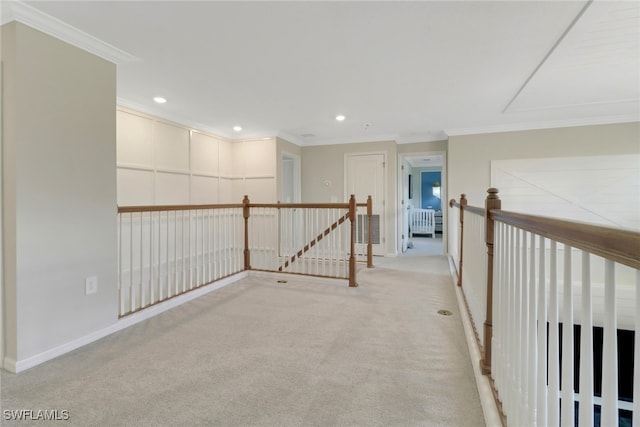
261 353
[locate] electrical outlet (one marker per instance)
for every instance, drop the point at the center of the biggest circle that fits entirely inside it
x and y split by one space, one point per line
91 285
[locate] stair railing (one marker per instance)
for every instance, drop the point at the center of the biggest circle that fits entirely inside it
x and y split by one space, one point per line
542 274
165 251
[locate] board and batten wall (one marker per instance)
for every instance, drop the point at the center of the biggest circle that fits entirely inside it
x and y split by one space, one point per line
470 156
59 194
165 163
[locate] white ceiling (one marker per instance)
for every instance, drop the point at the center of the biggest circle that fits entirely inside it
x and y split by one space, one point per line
425 161
404 71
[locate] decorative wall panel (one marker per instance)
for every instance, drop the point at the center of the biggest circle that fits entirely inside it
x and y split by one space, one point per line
171 189
204 154
135 187
171 145
134 140
204 190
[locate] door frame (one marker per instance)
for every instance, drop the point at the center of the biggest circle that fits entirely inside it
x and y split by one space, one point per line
384 225
443 197
297 190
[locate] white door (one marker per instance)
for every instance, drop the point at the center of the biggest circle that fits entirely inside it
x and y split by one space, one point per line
365 177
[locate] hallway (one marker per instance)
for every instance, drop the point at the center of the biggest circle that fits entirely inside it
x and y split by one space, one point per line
262 353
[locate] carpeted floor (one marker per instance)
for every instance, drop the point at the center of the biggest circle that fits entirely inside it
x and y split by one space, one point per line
261 353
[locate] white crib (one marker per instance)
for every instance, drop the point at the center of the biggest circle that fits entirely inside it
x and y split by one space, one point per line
422 221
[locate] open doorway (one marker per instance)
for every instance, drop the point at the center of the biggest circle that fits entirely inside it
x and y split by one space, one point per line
290 191
423 178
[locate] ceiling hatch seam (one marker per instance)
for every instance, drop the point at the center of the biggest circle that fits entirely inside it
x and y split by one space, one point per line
549 53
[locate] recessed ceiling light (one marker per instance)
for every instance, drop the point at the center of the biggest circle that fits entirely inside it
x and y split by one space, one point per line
340 117
160 100
237 128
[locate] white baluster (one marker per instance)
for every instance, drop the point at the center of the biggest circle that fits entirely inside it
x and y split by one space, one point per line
120 255
568 417
553 401
541 413
585 416
636 359
524 334
609 414
533 343
175 252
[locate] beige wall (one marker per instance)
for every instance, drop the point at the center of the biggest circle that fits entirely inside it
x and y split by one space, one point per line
59 192
327 163
469 156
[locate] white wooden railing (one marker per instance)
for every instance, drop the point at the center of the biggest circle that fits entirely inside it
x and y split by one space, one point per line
164 251
310 239
542 274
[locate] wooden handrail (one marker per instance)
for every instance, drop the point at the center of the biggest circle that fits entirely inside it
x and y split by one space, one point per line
301 205
246 206
157 208
621 246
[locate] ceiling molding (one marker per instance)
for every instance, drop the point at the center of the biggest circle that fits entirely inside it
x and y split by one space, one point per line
431 137
631 101
338 141
296 140
630 118
28 15
162 115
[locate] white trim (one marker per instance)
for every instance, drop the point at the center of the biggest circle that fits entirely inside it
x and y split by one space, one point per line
489 408
337 141
19 11
22 365
515 127
157 113
297 178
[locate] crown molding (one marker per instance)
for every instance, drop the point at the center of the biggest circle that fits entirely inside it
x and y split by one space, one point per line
296 140
515 127
340 141
21 12
178 120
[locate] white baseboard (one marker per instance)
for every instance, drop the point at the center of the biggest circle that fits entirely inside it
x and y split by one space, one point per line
17 366
489 408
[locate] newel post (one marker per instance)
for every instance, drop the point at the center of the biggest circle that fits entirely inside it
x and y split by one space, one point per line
492 202
463 203
369 245
245 215
352 256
